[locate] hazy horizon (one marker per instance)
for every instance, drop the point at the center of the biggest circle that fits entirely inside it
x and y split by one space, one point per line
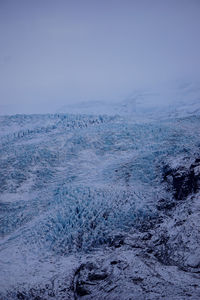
56 53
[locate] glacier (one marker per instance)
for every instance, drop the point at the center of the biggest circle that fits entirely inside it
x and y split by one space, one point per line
83 187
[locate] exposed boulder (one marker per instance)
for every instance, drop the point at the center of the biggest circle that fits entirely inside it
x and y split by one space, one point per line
182 180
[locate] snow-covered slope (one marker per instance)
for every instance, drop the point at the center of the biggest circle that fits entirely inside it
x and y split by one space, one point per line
90 203
175 99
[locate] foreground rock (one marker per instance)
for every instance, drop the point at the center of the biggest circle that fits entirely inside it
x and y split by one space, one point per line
183 180
162 263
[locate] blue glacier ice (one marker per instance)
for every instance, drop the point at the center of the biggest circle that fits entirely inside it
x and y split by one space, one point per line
72 182
84 193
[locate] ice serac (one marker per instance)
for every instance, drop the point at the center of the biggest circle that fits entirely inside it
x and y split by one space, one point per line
99 206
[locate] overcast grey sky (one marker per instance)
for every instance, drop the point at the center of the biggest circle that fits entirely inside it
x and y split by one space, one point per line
54 52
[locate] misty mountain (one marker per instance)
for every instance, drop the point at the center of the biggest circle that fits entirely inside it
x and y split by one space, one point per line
174 99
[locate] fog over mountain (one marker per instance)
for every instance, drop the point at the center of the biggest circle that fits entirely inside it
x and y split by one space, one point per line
99 150
56 53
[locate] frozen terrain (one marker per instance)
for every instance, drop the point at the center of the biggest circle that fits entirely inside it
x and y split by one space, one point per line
167 100
105 204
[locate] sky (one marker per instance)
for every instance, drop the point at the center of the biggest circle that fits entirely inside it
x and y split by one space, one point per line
58 52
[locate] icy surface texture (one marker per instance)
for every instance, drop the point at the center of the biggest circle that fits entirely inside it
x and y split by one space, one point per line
76 184
84 177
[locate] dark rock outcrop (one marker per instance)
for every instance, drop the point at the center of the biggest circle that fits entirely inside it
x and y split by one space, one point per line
182 181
